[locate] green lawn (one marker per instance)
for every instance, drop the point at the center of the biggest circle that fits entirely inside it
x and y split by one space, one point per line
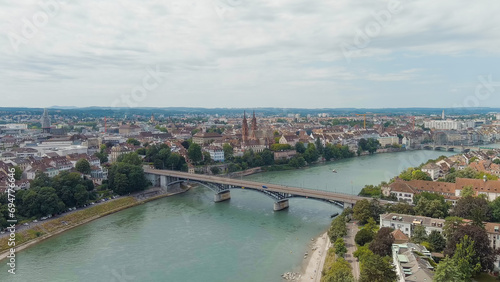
485 277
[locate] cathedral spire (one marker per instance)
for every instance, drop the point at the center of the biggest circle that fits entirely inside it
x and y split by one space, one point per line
244 129
254 127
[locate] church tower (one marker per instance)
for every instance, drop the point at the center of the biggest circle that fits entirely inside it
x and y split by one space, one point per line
244 129
254 127
45 122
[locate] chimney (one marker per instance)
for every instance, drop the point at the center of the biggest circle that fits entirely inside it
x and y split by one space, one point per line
484 178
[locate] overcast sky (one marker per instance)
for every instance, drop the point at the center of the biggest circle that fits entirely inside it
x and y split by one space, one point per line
250 53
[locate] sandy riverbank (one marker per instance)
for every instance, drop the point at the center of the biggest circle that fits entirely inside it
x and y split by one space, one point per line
313 265
65 228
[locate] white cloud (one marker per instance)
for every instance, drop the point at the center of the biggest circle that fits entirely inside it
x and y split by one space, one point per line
233 53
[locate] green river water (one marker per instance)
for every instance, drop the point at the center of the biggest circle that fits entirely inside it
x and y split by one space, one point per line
188 237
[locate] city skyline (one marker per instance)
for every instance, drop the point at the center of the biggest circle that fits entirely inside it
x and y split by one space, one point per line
238 53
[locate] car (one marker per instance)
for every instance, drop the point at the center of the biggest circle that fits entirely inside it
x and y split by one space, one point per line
35 221
264 186
43 218
25 224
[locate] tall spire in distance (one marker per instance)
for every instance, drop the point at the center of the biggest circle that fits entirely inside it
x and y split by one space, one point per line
254 127
45 121
244 129
442 115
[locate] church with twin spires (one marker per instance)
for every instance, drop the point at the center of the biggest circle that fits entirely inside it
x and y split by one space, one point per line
251 138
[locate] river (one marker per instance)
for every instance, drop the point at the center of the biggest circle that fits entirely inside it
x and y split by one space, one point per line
188 237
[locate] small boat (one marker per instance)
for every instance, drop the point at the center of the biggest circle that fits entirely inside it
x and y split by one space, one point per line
333 170
334 215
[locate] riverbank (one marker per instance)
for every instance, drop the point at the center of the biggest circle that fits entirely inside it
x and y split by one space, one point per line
314 260
50 228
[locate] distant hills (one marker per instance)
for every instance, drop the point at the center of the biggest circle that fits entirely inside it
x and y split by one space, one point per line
266 111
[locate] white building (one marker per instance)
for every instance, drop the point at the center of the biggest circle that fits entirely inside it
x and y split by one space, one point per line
406 223
216 153
443 124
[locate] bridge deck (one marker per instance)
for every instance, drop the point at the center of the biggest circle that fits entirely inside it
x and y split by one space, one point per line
304 192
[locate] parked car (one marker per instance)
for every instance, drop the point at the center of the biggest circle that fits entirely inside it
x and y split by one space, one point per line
264 186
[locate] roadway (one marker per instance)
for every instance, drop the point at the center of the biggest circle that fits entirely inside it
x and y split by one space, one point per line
297 191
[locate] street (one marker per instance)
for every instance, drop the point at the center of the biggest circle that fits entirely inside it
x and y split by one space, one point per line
352 230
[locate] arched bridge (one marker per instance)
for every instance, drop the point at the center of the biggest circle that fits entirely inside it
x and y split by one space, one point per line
221 186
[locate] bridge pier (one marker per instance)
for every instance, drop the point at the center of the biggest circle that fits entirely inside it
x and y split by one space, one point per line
222 196
280 205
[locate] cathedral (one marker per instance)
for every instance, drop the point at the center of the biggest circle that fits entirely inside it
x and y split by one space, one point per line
45 121
251 137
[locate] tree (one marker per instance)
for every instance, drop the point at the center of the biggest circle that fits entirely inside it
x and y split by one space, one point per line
319 145
467 191
382 244
267 157
401 207
133 141
375 268
496 161
207 159
419 234
451 224
420 175
474 208
363 237
83 166
431 208
194 153
362 211
48 201
362 252
466 259
340 248
124 178
311 154
371 225
215 170
437 241
495 209
18 173
338 228
41 180
228 151
280 147
447 271
484 254
300 148
130 158
339 271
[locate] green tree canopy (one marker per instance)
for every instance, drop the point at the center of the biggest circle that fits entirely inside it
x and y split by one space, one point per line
194 153
382 244
300 148
228 151
484 254
130 158
419 234
364 236
437 241
339 246
133 141
83 166
375 268
338 228
339 271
